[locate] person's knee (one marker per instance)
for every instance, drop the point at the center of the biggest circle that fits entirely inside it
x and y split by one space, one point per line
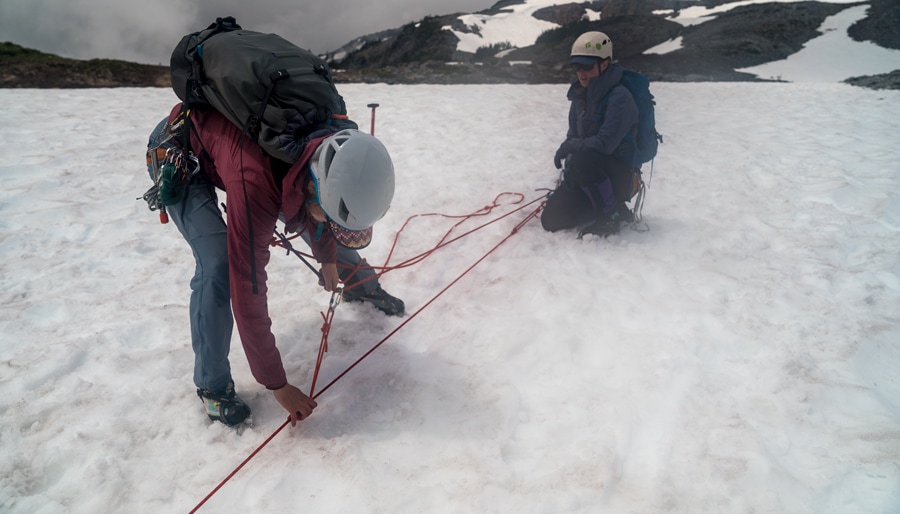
218 264
551 220
212 263
216 279
546 223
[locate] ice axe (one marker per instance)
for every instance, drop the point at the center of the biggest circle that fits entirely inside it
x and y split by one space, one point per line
372 106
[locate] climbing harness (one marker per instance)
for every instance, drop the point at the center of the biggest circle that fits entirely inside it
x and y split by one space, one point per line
172 170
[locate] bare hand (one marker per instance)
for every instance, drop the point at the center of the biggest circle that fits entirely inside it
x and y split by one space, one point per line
330 278
295 401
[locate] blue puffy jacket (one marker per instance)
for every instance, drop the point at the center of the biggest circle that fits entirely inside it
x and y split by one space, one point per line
603 123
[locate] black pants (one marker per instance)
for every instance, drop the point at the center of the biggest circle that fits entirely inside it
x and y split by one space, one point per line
592 184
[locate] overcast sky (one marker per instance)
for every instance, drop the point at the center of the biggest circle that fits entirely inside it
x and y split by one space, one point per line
147 31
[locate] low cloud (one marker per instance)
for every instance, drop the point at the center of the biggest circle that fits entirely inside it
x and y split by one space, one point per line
136 30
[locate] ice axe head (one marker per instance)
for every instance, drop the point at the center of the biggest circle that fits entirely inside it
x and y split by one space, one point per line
372 129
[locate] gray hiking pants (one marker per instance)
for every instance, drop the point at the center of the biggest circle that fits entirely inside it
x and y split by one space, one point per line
200 222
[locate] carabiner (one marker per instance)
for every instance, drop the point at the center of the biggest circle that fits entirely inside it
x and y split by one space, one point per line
336 297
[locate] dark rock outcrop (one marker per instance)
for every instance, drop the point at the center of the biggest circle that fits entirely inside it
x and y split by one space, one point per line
25 68
424 52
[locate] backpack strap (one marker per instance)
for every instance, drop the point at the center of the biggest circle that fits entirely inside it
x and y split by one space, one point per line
253 124
251 131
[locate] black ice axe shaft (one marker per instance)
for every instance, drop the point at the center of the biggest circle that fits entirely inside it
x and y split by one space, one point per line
373 107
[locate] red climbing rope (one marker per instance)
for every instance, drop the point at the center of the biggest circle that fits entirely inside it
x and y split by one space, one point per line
435 297
241 465
336 296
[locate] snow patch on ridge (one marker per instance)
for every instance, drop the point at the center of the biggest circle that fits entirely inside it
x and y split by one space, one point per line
515 25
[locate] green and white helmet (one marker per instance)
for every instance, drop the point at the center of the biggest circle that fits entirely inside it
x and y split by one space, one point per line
354 179
595 45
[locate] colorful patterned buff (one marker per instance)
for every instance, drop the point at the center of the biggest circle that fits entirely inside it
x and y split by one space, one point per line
354 239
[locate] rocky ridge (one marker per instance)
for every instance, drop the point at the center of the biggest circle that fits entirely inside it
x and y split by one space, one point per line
423 52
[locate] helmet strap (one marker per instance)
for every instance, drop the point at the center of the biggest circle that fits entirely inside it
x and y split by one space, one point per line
600 64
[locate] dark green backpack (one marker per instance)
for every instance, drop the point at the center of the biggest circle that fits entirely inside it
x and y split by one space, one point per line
271 89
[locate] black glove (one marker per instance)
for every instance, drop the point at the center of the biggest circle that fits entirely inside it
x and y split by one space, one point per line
569 146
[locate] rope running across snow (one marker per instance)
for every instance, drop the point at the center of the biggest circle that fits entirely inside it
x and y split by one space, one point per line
335 299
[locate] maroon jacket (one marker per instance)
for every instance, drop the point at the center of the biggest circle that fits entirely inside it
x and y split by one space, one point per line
232 165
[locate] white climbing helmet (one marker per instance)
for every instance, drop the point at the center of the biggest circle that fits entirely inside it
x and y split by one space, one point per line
594 45
354 179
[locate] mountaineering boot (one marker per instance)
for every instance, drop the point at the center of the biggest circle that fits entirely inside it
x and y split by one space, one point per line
386 303
611 223
224 405
624 214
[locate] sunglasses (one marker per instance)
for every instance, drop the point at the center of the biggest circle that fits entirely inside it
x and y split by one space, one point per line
583 67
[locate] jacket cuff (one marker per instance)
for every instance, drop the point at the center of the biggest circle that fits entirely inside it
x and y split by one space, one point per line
279 387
